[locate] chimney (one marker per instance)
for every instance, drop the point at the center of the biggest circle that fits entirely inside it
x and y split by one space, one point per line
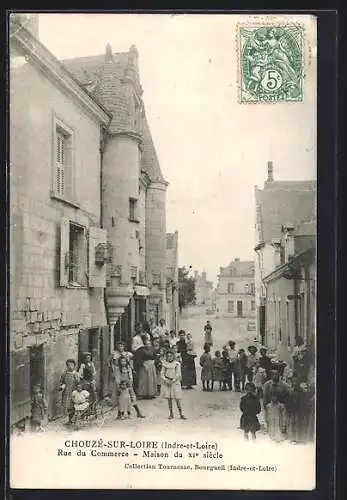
289 244
237 259
276 243
270 171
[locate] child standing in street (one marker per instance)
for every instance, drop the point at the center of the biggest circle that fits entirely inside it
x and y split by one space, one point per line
250 408
171 383
124 400
38 409
217 363
259 381
275 419
68 383
176 354
124 374
207 369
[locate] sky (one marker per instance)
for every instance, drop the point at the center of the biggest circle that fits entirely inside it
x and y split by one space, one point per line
212 149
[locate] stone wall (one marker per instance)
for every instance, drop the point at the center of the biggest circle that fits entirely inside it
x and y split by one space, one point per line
42 311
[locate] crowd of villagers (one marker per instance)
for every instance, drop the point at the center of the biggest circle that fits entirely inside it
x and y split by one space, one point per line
158 362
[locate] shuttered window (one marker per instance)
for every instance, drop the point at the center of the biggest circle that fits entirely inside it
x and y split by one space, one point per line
63 177
60 163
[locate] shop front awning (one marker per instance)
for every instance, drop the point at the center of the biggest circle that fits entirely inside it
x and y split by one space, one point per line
142 291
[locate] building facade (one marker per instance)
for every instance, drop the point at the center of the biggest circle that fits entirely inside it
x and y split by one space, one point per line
89 252
235 290
278 204
58 268
291 291
203 290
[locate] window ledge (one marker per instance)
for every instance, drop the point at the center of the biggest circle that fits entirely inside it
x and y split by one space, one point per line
134 220
76 287
58 197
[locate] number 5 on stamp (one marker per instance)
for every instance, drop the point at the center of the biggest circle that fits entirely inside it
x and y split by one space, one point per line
270 63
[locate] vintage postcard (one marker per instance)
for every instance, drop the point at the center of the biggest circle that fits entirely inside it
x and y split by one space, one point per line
163 251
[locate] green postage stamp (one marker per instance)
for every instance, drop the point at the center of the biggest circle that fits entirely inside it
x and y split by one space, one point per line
270 63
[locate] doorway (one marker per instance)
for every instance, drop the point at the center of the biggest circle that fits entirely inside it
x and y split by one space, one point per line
37 368
239 309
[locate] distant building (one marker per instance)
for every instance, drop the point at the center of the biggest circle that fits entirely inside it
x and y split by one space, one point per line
203 290
235 290
278 204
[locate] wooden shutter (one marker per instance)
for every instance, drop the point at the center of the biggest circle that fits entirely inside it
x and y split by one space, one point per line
60 163
97 272
104 361
20 385
64 251
83 344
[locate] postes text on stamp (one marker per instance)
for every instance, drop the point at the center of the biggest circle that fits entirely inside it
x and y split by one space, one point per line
270 63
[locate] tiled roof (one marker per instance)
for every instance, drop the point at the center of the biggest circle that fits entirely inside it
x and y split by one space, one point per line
107 77
149 159
238 268
281 203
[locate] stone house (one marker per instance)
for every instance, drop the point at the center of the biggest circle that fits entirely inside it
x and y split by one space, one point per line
279 203
235 290
88 235
57 242
133 192
203 290
291 290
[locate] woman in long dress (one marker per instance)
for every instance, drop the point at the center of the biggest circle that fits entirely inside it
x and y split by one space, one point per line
188 364
146 377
